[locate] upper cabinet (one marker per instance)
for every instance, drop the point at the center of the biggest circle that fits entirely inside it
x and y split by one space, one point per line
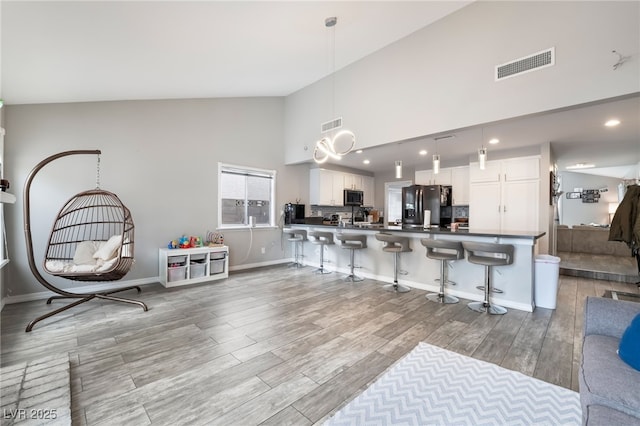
505 195
456 177
513 169
326 187
460 185
427 177
491 172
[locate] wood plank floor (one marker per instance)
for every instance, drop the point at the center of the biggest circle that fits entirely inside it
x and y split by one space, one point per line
276 346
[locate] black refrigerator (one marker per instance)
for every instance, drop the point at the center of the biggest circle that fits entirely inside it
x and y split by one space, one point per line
418 198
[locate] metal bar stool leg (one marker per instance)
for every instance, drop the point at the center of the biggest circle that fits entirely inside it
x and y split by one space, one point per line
321 269
395 287
485 306
441 297
352 277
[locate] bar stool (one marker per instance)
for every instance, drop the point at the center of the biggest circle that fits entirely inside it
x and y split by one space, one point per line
322 239
396 245
352 242
442 251
297 237
488 254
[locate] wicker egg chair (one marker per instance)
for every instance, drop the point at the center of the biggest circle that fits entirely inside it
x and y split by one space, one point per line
95 219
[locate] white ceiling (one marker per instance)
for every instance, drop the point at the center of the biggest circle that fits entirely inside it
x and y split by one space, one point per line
97 51
78 51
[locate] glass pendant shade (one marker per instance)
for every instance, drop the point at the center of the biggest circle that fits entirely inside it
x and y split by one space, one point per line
482 157
436 164
399 169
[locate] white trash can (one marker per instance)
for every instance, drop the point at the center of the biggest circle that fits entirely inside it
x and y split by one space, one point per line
547 271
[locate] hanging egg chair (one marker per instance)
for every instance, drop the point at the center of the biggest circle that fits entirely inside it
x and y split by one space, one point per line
92 239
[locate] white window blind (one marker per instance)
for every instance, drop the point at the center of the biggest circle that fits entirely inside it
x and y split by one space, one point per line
245 193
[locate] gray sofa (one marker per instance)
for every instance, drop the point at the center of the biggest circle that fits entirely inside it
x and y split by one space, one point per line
609 388
589 239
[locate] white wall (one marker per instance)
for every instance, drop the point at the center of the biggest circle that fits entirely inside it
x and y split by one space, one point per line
441 77
160 157
575 212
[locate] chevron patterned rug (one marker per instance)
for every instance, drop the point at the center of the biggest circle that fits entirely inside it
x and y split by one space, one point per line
434 386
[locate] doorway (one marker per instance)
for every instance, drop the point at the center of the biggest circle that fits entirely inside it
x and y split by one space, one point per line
393 200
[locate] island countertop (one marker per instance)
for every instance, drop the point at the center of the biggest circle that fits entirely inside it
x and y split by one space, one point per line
429 231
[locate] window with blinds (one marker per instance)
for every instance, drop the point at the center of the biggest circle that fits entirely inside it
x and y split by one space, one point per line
245 193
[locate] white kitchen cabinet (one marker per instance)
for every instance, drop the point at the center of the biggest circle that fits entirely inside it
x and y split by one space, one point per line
460 185
352 181
491 172
177 267
423 177
506 195
524 168
369 189
427 177
520 205
326 187
519 168
485 206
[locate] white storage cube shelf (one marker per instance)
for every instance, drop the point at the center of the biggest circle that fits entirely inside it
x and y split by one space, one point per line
193 265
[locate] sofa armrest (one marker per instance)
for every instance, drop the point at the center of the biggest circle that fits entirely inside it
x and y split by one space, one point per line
608 317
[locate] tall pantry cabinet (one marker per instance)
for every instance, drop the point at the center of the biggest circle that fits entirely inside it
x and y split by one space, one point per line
505 196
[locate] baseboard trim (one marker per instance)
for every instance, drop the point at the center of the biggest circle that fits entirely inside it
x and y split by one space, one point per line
259 264
95 288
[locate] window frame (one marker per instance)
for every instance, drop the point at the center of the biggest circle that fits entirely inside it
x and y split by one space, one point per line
249 171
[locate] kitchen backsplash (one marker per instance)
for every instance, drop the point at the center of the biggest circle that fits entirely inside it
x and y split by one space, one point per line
460 211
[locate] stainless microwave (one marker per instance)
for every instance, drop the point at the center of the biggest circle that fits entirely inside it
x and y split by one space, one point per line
353 197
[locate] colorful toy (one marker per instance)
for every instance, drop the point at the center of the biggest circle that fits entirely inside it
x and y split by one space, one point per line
195 241
184 242
173 244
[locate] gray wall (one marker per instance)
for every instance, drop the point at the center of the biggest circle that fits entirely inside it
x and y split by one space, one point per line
575 212
441 77
160 157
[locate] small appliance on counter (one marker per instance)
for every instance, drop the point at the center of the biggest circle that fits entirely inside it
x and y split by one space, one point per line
293 213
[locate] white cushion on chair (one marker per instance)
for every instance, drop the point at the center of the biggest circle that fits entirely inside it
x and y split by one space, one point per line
110 249
84 254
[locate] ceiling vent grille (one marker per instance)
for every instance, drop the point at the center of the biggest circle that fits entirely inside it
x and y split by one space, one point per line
336 123
534 62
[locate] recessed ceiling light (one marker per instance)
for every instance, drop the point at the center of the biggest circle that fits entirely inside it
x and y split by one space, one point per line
580 166
494 141
612 123
366 161
359 151
423 152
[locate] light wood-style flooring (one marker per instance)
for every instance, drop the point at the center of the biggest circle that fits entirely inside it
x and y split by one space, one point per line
276 346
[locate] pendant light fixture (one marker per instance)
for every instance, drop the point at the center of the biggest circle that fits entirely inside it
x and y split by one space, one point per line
343 141
482 157
436 164
482 153
398 169
436 160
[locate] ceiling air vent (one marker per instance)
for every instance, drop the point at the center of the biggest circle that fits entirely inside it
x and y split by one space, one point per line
336 123
534 62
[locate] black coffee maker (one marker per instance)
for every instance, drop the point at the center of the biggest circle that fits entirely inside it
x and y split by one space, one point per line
293 213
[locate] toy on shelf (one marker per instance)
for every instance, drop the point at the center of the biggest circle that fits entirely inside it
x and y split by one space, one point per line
195 241
215 239
186 242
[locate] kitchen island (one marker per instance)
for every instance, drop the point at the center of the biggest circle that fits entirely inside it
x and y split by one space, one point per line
515 280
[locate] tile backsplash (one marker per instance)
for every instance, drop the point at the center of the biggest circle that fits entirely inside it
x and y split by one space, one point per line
460 211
